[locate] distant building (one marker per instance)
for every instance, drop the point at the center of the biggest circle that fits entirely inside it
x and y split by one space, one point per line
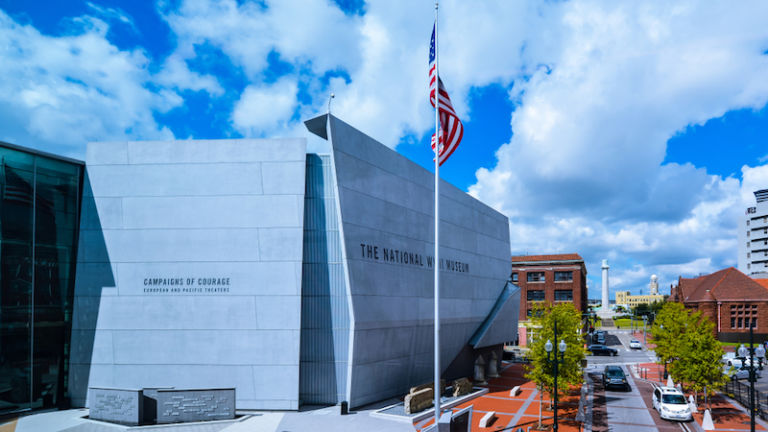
626 299
731 300
548 279
753 237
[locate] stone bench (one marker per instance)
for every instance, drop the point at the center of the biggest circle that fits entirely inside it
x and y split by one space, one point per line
515 391
488 419
419 400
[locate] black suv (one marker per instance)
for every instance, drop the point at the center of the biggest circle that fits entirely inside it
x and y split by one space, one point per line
613 376
602 350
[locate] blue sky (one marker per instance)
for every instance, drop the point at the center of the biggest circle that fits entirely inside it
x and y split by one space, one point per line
626 132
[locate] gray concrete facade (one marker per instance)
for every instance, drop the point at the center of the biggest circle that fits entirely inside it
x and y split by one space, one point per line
189 268
291 277
387 223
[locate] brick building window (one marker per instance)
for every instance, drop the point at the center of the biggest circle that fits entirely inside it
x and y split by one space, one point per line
514 277
535 295
743 315
563 276
563 295
530 313
536 277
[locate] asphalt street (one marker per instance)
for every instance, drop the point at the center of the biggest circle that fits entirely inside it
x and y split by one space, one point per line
625 411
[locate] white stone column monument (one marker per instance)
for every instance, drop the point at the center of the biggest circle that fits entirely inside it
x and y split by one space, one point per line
605 308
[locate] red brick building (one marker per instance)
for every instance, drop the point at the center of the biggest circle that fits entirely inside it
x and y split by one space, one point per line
548 279
731 300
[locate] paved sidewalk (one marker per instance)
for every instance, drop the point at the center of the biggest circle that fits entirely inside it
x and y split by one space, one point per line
521 411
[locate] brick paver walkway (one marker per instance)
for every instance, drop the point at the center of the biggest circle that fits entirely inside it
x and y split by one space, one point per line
521 410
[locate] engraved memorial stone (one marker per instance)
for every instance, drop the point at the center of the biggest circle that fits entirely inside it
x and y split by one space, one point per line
176 406
116 405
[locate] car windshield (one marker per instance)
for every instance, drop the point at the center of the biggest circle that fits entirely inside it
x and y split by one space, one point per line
614 373
634 341
673 399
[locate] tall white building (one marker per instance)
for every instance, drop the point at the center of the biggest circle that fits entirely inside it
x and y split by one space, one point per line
753 237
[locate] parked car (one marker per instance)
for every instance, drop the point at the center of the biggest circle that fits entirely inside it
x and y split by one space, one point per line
599 349
635 344
671 404
743 373
613 376
729 359
599 337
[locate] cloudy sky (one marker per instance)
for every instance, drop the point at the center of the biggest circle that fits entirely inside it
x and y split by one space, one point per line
632 131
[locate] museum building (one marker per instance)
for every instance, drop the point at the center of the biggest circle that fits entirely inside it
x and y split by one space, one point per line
293 277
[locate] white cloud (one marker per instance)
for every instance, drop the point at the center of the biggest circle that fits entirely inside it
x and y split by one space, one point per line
61 92
261 111
176 74
590 133
115 14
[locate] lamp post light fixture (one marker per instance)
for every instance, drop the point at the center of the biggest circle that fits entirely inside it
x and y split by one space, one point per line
557 360
752 352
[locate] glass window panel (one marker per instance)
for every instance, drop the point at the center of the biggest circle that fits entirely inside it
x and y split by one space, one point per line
55 221
15 281
39 208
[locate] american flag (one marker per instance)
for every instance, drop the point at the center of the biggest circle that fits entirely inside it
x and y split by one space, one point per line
451 129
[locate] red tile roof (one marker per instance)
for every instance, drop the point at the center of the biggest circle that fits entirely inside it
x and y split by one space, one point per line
763 282
728 284
557 257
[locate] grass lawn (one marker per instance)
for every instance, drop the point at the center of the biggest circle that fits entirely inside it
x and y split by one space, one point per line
625 323
733 344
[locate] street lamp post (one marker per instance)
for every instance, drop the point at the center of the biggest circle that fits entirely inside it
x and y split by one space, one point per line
666 375
548 348
760 354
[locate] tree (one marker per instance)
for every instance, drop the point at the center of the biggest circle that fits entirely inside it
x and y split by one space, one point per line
686 343
540 370
698 364
670 323
648 309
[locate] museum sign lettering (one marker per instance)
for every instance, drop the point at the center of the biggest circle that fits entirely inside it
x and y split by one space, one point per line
186 285
401 256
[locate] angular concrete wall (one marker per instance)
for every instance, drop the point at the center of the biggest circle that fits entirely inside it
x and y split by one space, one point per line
387 213
222 222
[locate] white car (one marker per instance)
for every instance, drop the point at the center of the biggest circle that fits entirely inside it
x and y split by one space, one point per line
730 360
635 344
671 404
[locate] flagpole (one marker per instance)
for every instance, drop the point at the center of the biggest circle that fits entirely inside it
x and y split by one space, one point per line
437 230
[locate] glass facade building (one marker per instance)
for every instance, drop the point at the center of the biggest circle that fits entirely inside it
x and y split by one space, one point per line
39 218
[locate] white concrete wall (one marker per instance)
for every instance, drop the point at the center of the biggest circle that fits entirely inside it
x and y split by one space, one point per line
191 209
